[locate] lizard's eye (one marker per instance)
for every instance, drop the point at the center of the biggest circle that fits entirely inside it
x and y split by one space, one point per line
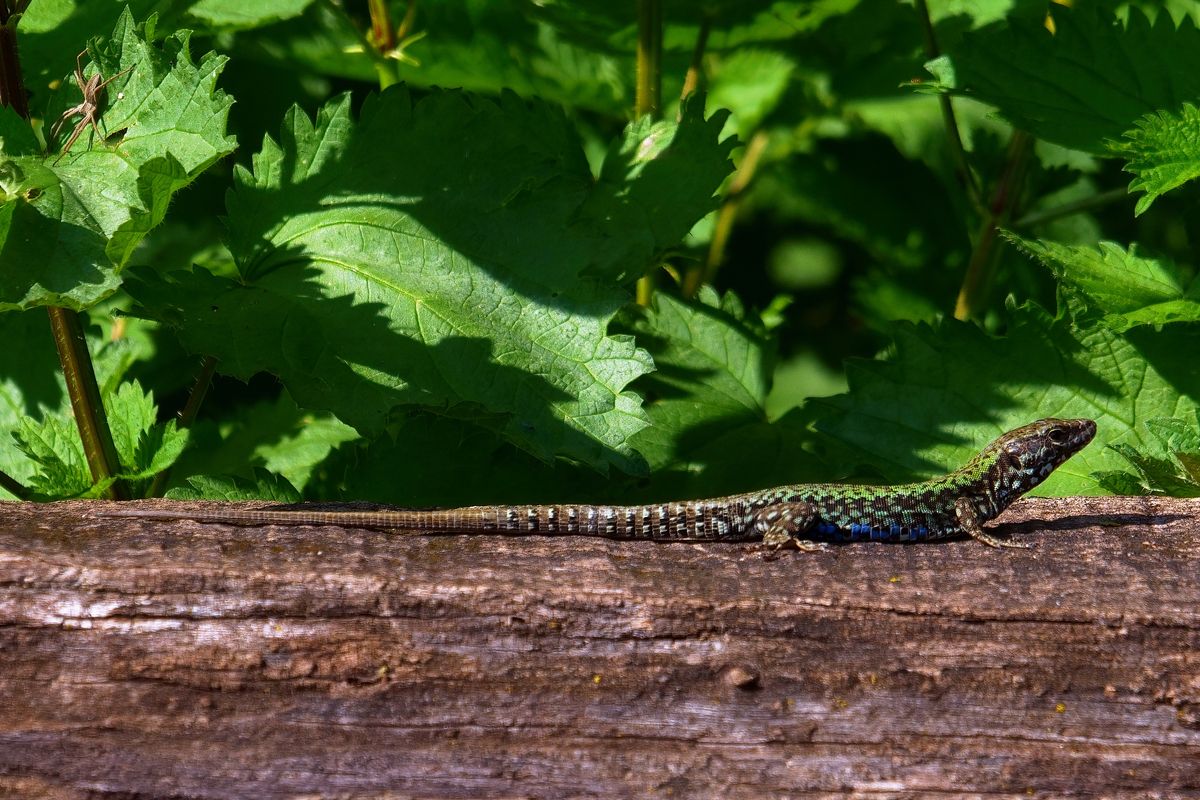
1057 436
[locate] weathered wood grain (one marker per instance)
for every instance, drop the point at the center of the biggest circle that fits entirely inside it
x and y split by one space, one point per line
179 660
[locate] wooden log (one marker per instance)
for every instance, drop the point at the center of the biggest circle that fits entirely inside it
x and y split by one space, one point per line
149 659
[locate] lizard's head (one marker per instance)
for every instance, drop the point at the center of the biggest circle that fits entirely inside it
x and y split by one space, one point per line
1026 456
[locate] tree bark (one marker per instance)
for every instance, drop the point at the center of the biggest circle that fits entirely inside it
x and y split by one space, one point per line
149 659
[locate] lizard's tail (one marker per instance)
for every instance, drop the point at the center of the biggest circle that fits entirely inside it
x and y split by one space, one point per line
704 521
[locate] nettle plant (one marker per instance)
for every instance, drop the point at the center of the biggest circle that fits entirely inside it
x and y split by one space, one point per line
481 255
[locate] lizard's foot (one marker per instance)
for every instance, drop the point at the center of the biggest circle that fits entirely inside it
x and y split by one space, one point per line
775 540
968 519
991 540
784 524
773 550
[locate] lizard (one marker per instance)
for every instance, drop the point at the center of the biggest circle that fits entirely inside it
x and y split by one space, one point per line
806 516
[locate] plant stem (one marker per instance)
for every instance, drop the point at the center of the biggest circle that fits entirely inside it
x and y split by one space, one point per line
694 79
187 415
958 153
1067 209
12 87
697 275
76 362
649 91
73 354
978 277
649 58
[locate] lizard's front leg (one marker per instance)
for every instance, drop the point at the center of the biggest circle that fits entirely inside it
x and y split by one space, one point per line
968 520
786 523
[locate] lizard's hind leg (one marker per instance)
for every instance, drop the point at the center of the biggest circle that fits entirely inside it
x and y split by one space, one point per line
784 524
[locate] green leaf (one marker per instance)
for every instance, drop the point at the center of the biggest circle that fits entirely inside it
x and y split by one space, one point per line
296 456
276 435
708 434
1170 466
1163 151
143 446
168 105
825 189
131 412
949 390
16 139
712 370
32 385
54 447
603 25
709 431
1129 289
29 382
750 83
491 47
385 263
658 180
69 222
52 32
324 40
158 448
432 460
238 14
232 489
1083 85
482 47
